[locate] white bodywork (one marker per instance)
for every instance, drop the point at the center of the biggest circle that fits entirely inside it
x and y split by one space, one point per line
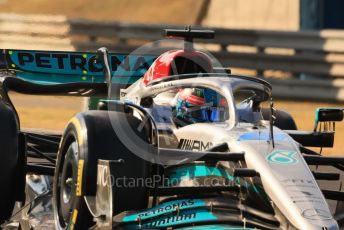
285 175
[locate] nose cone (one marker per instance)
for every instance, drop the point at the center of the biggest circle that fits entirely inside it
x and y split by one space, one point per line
286 178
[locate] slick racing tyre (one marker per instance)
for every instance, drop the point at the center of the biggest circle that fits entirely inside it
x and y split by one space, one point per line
339 213
88 137
283 120
9 139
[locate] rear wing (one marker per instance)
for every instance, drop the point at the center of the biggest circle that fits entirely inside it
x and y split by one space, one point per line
55 67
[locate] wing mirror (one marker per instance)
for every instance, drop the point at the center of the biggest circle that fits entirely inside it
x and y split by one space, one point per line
328 116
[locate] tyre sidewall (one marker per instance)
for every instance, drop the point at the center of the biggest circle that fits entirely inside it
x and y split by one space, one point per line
80 218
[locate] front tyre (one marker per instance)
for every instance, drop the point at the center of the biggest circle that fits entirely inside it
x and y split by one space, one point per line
69 205
88 137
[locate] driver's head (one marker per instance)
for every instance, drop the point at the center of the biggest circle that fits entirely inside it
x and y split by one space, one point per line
199 105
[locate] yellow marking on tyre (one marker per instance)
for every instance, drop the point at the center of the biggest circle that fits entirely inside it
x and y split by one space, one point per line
74 217
78 128
79 178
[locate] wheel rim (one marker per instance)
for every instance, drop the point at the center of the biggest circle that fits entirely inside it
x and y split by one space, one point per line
67 184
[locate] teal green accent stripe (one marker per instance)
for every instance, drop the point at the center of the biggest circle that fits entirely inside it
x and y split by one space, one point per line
50 79
165 208
191 216
76 63
189 172
215 227
53 67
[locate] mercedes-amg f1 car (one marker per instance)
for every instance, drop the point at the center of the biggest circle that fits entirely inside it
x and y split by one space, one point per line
175 143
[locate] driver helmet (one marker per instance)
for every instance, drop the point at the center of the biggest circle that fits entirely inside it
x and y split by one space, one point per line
195 105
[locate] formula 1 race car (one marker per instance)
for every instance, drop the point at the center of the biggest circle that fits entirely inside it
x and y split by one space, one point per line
175 143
